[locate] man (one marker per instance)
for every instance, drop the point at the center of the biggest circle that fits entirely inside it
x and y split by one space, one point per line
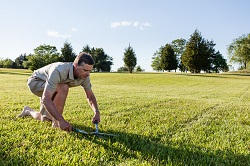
52 82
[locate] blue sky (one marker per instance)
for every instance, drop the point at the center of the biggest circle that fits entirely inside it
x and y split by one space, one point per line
113 24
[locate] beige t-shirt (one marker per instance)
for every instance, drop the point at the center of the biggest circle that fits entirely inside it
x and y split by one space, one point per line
60 72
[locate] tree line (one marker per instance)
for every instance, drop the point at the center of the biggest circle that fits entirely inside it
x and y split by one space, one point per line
194 55
46 54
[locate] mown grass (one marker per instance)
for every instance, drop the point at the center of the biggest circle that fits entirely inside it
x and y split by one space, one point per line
159 119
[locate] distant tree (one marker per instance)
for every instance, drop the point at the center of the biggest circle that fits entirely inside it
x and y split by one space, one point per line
103 62
156 61
43 55
197 54
122 69
7 63
1 62
86 49
67 53
219 63
178 46
168 58
239 50
129 59
20 59
139 69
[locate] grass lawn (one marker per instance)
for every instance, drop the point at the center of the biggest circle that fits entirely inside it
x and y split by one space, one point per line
159 119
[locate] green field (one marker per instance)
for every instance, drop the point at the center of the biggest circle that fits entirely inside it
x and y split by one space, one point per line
159 119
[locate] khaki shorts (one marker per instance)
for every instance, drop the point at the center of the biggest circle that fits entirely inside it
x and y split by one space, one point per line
36 85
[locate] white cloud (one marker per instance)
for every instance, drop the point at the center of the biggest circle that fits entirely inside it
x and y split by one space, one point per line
135 24
74 29
57 34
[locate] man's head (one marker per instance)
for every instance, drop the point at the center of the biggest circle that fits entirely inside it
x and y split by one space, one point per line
83 64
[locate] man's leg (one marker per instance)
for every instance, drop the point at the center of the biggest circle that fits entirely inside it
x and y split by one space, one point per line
27 111
59 99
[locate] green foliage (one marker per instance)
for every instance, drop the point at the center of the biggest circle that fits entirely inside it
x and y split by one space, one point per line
178 46
43 55
20 59
239 50
159 119
156 61
198 54
67 53
103 62
7 63
129 59
122 69
139 69
219 63
168 58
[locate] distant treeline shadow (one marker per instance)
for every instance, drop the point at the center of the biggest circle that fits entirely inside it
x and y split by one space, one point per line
162 154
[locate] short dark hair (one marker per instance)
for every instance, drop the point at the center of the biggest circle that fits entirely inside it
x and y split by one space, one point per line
84 57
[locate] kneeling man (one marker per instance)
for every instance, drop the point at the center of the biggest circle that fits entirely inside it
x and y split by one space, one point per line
51 84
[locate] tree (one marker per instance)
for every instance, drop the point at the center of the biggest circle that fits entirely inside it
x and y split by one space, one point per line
7 63
86 49
156 61
20 59
168 58
122 69
219 63
43 55
103 62
67 53
129 59
139 69
196 56
239 50
178 46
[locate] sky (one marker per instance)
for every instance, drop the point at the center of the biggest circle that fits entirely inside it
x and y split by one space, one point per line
113 25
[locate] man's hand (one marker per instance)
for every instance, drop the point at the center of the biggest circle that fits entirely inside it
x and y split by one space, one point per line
96 118
64 125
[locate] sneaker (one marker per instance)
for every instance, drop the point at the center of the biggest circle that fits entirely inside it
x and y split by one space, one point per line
25 112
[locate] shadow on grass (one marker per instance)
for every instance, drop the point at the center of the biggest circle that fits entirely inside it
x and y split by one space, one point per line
15 73
154 151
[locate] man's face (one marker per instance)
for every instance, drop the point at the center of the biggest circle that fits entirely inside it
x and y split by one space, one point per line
83 70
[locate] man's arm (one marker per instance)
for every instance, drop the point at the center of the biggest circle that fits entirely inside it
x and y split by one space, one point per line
93 104
51 108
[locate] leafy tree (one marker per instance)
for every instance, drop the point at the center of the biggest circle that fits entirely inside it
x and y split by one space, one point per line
103 62
239 50
67 53
156 61
219 63
168 59
122 69
7 63
129 59
20 59
139 69
86 49
178 46
43 55
198 51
